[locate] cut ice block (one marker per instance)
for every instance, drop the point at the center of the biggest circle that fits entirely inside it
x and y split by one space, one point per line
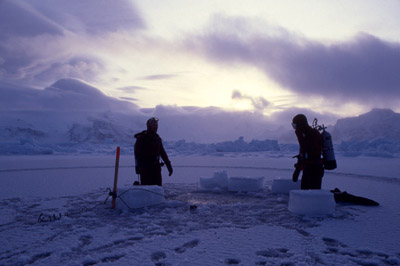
219 180
139 197
283 186
311 202
245 184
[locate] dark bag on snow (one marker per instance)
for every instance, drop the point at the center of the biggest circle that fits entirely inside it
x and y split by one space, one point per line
344 197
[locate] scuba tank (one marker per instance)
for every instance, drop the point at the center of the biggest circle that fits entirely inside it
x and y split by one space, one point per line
328 154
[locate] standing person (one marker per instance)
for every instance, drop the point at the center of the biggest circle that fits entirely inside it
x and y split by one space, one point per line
148 150
309 158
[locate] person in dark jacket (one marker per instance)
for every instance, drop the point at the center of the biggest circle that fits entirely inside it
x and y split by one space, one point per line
310 152
148 151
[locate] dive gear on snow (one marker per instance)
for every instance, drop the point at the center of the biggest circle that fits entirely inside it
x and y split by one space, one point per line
344 197
114 197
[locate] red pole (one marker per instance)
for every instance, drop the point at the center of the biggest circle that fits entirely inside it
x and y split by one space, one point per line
114 197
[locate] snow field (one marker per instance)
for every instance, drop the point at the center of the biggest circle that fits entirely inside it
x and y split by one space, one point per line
227 228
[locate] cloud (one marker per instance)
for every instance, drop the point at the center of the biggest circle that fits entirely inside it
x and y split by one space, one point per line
72 98
91 16
18 19
159 77
363 69
130 89
259 103
285 117
77 67
43 41
128 98
41 61
68 95
213 124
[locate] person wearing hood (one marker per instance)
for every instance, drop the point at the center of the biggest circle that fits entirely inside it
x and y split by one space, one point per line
310 153
148 150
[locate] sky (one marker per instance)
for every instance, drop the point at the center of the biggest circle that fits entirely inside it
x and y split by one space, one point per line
334 57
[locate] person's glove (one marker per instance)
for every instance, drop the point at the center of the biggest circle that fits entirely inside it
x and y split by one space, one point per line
137 170
170 170
297 168
296 173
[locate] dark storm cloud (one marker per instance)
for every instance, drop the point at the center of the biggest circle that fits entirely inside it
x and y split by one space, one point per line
364 68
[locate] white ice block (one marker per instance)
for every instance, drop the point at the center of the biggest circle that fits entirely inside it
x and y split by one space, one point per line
283 186
245 184
139 197
311 202
219 180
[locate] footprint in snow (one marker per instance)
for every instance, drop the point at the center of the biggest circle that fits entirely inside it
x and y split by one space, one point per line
112 258
332 245
275 253
187 245
85 240
158 255
232 261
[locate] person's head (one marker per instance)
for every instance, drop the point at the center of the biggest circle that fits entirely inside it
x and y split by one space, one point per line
299 122
152 124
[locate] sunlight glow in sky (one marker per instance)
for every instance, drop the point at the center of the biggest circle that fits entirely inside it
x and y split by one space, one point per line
336 57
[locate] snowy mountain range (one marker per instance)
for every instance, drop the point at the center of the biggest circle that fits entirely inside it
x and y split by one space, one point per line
71 113
376 124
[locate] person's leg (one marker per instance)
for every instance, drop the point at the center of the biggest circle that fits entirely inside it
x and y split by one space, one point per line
145 178
312 176
159 179
306 179
151 177
318 173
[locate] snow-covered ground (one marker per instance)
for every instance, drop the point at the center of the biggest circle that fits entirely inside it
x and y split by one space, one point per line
227 228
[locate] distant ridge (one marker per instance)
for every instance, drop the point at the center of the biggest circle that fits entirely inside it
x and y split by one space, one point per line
376 124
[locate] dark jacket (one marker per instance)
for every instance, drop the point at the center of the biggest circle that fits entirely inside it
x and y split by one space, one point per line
310 141
148 151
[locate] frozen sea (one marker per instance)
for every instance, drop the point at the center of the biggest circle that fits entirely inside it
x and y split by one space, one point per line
227 228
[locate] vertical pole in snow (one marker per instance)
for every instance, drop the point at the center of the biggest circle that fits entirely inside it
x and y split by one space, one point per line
114 197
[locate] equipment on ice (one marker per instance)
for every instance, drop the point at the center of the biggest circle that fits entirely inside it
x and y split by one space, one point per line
328 154
114 193
344 197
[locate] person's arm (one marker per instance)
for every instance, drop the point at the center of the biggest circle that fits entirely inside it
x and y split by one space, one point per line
166 160
301 140
137 152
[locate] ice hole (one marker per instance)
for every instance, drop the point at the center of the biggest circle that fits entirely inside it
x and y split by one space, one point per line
246 184
219 180
284 186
